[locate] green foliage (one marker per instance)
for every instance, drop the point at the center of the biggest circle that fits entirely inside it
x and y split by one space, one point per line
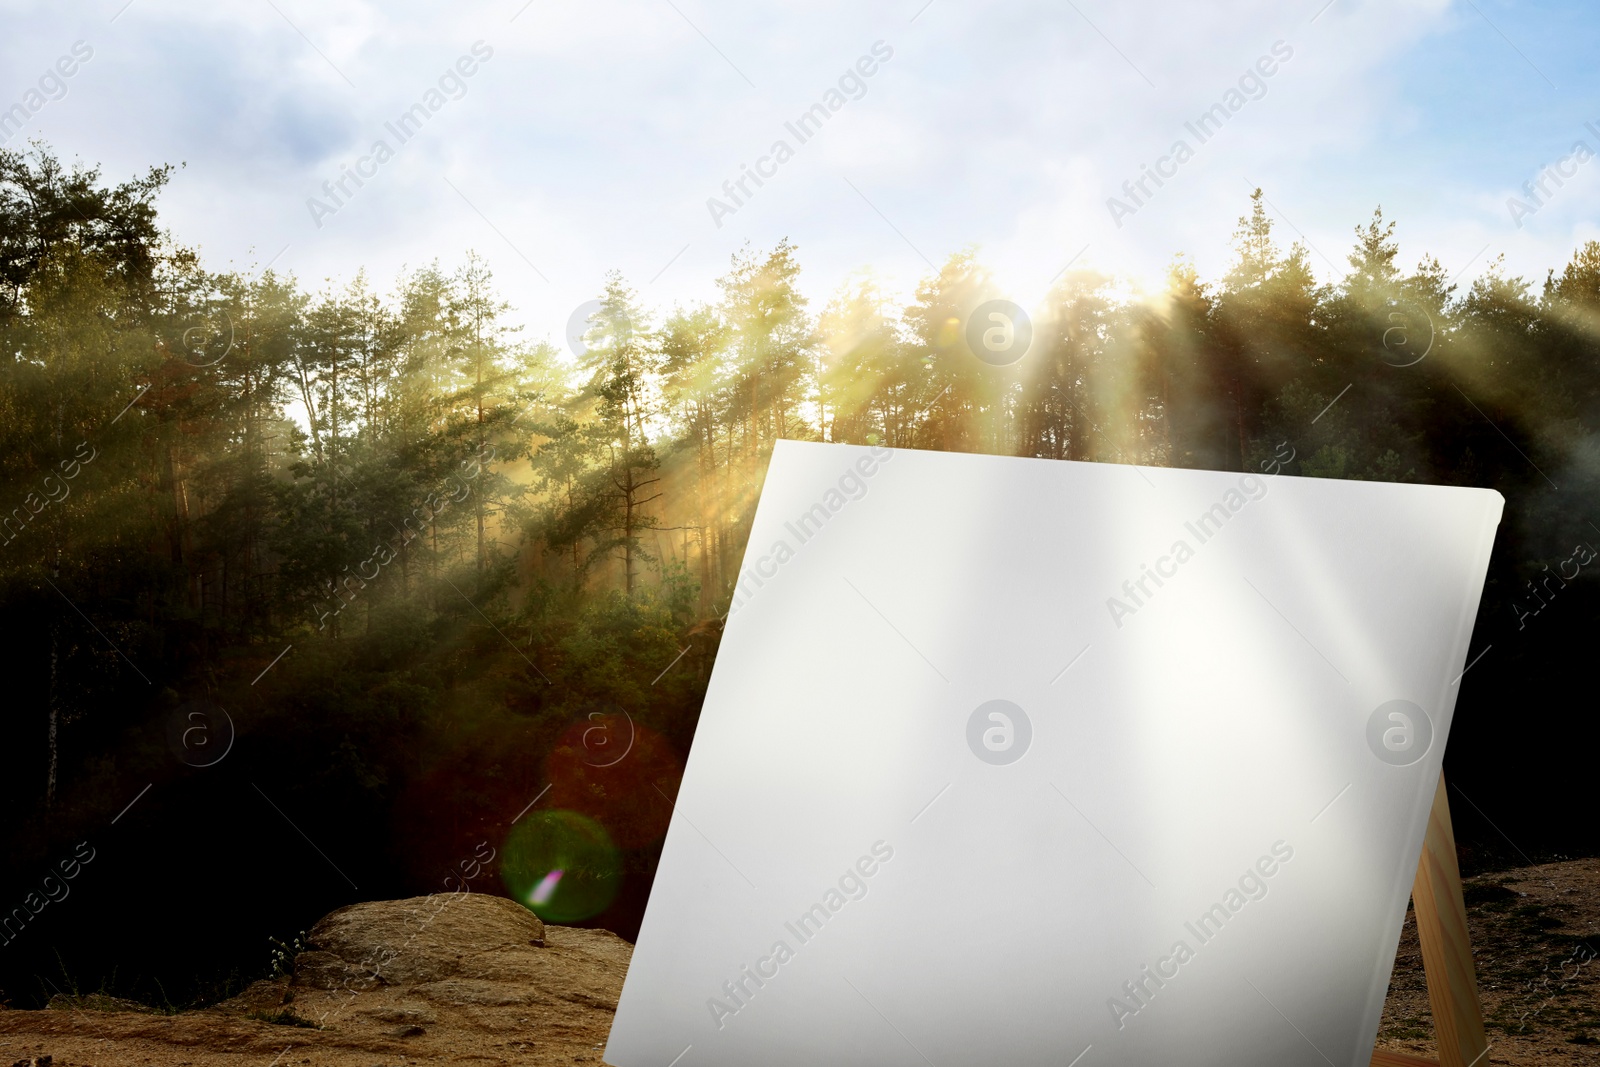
466 538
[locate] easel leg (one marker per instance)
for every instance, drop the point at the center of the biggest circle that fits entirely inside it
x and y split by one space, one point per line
1446 946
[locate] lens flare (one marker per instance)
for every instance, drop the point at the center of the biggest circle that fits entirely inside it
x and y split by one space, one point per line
545 889
616 772
561 866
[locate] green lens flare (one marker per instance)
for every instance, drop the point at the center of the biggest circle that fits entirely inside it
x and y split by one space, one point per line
561 866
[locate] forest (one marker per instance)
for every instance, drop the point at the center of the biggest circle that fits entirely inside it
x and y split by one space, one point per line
310 595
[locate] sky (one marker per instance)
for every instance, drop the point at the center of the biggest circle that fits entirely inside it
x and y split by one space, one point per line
599 135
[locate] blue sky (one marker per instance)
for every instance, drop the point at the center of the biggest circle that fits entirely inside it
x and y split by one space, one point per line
593 136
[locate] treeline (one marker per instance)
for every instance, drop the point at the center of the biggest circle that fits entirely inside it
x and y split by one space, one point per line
467 538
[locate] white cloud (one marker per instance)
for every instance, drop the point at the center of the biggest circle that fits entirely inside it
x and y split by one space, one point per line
594 136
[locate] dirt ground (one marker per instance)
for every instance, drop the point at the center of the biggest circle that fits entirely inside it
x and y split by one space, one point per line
475 979
449 979
1535 940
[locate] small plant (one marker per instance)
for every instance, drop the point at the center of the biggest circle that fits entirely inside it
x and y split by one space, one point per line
283 954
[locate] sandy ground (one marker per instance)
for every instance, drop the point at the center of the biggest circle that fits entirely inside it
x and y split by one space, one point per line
1535 939
475 979
457 979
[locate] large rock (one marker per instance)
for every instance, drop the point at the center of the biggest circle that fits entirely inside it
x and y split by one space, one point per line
417 941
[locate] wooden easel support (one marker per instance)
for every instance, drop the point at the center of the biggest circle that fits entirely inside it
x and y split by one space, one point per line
1446 951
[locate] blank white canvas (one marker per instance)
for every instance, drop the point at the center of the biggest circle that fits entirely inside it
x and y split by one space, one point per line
1236 756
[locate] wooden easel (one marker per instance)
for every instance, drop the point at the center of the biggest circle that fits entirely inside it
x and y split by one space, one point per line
1446 951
